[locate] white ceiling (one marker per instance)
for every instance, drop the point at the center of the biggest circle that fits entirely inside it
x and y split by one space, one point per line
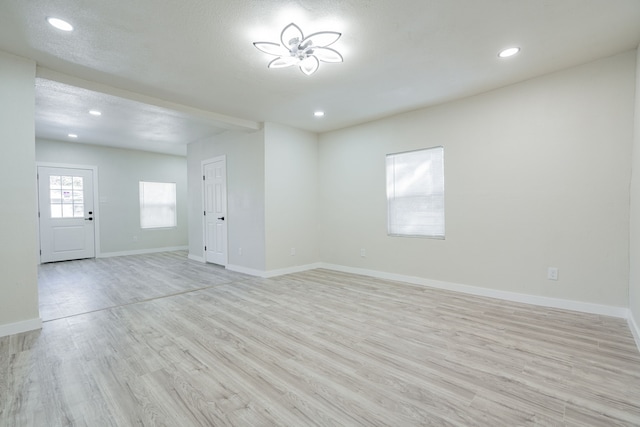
61 109
168 73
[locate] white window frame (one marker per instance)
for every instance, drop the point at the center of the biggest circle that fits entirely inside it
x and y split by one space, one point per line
415 193
147 207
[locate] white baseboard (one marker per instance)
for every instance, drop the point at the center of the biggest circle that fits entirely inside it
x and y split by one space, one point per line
272 273
143 251
291 270
245 270
196 258
20 327
585 307
635 330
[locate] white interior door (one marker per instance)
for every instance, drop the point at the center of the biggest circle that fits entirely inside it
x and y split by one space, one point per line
215 210
66 212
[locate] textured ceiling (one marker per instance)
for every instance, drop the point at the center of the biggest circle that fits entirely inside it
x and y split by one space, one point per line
61 109
197 56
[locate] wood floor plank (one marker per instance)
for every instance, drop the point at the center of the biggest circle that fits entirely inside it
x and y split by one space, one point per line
161 340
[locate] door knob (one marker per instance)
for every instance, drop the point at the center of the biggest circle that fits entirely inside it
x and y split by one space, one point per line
89 219
221 218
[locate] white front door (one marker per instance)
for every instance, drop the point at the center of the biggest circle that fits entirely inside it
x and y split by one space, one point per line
66 212
214 175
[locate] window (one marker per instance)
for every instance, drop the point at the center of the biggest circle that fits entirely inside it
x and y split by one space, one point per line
415 193
157 204
66 196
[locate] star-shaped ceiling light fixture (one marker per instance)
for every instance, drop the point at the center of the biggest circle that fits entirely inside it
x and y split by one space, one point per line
307 52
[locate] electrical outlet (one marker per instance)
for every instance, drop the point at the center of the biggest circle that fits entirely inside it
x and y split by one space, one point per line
552 273
293 251
239 251
363 252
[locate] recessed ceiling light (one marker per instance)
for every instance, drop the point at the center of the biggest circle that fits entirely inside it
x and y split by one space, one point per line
319 113
95 113
60 24
73 135
509 52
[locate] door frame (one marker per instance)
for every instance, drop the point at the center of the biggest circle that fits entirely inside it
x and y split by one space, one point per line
96 202
222 157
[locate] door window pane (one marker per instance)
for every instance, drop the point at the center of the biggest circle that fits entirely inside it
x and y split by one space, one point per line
67 182
67 211
77 183
56 211
78 211
56 196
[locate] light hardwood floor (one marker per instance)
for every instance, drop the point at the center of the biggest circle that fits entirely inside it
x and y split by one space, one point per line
161 340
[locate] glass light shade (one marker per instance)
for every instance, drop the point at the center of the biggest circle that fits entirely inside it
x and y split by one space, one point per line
291 35
283 62
322 39
309 65
326 54
271 48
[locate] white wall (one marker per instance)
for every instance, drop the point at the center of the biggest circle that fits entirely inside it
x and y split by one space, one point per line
18 261
291 192
119 174
537 175
634 279
245 195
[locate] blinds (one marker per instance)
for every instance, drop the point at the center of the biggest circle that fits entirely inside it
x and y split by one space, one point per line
415 193
157 204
